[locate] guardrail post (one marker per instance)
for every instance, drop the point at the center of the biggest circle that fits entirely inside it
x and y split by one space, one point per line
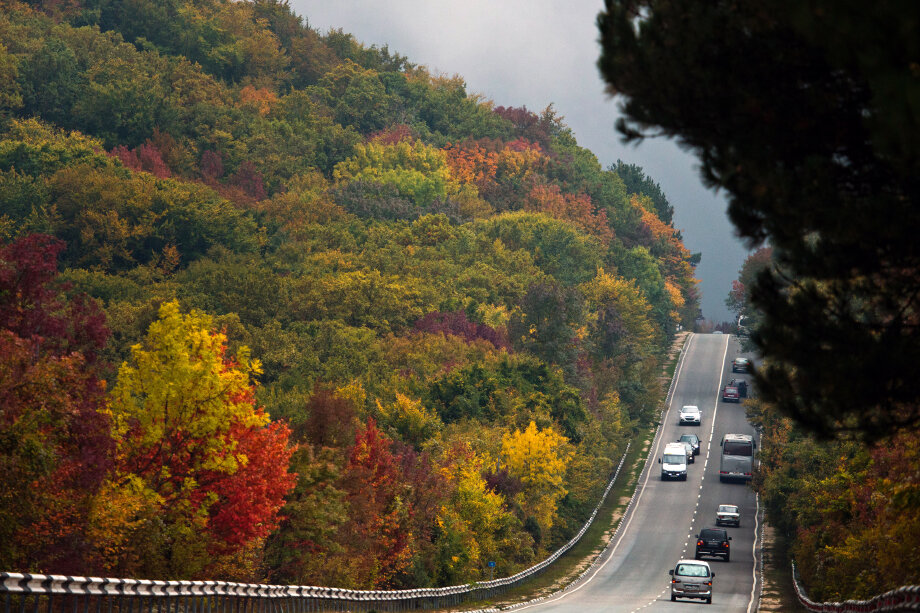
126 595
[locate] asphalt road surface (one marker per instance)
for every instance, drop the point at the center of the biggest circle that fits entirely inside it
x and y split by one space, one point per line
666 516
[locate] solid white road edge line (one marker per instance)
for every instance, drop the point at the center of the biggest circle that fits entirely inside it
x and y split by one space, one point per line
754 552
648 472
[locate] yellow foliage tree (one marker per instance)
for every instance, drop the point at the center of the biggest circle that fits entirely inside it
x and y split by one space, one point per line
410 418
474 522
418 171
608 290
180 397
538 458
200 472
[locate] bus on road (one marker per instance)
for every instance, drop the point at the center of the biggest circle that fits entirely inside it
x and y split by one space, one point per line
737 462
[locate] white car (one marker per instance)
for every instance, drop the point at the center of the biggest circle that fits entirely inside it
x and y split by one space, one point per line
690 414
728 515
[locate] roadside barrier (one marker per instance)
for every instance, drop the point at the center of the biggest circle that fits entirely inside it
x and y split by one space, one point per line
601 558
27 593
905 598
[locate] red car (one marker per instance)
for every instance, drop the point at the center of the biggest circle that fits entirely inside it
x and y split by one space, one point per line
730 394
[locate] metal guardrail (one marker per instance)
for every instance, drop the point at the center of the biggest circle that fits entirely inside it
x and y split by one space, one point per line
27 593
600 559
905 598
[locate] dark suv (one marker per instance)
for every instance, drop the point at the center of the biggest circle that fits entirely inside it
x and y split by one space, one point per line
713 542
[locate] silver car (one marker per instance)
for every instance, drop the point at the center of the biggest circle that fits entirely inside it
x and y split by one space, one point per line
690 414
728 515
691 579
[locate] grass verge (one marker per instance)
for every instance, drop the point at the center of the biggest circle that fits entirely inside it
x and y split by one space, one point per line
778 591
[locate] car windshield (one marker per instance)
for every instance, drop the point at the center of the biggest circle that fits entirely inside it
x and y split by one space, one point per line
690 410
692 570
713 534
670 458
727 508
689 438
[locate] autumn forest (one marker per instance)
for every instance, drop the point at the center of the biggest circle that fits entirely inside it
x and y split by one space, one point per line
278 306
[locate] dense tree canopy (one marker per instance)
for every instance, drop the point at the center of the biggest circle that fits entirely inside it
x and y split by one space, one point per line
367 329
836 501
808 118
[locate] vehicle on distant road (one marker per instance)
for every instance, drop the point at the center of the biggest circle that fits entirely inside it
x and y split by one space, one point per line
693 439
730 393
742 386
737 461
690 414
728 515
691 579
674 462
740 364
713 542
691 459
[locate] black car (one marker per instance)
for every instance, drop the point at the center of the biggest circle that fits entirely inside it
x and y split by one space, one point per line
694 441
713 542
741 386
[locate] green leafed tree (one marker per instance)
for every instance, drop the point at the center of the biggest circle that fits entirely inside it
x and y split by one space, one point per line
637 182
10 93
806 114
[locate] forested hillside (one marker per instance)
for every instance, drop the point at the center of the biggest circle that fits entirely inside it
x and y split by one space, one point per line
277 306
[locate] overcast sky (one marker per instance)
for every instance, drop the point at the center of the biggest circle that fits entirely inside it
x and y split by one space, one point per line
534 53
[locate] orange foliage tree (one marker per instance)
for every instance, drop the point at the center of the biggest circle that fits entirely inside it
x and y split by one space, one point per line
201 472
577 209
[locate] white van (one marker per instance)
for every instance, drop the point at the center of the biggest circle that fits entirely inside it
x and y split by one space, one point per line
674 462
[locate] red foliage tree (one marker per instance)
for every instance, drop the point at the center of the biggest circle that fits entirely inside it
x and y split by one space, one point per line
56 445
378 535
329 421
211 166
249 181
527 124
35 307
250 499
393 135
428 489
456 323
146 158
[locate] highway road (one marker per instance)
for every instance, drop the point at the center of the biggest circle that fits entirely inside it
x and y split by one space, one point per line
665 517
